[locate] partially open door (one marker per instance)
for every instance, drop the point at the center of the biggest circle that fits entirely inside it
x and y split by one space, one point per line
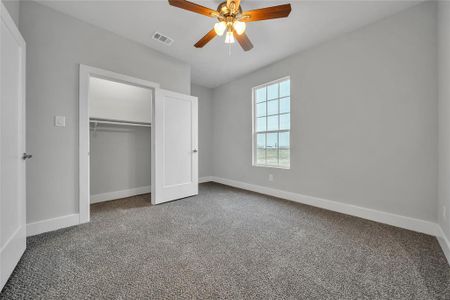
174 146
12 146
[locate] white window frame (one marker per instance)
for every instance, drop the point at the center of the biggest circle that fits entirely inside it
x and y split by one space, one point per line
254 132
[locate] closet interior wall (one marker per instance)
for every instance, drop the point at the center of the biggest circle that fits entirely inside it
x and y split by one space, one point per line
120 160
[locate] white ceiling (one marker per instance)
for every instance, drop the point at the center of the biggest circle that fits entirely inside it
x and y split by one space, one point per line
309 23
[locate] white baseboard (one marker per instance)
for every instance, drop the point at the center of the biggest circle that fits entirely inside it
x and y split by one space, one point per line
205 179
52 224
409 223
120 194
445 243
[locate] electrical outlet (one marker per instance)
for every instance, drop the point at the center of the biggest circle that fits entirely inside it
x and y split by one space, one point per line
270 177
60 121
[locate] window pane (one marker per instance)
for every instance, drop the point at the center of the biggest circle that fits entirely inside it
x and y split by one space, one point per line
261 148
285 158
285 105
284 140
272 149
284 149
272 123
260 94
285 88
272 107
272 91
272 140
261 140
285 121
261 124
261 109
260 156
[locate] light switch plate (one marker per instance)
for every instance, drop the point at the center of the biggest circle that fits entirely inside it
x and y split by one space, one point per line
60 121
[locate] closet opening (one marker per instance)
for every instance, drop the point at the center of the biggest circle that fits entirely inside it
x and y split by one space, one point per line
120 120
134 137
116 113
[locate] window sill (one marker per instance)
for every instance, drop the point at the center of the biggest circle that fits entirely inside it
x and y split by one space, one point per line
271 167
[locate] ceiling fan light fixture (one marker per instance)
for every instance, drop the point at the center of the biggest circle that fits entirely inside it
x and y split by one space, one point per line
230 15
239 27
229 37
220 28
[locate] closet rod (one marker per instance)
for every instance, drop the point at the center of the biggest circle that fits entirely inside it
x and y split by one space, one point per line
118 122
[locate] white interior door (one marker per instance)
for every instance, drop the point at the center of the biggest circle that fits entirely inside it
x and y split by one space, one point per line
174 146
12 146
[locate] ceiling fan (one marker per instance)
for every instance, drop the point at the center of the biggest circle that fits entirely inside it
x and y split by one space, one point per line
232 20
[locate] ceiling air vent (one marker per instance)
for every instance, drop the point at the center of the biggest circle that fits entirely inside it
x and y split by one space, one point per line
162 38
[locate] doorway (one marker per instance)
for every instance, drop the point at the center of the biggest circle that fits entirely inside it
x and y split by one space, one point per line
173 140
114 109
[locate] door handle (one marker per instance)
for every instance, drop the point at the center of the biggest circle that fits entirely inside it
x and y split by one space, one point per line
26 156
195 150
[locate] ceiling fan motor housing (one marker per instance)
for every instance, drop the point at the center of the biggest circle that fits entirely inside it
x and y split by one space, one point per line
225 11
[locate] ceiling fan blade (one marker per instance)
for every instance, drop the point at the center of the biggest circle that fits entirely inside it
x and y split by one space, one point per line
267 13
193 7
204 40
244 41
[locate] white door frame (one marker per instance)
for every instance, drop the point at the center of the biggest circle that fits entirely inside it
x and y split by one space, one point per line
83 122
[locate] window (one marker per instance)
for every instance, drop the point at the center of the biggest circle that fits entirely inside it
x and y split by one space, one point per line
272 124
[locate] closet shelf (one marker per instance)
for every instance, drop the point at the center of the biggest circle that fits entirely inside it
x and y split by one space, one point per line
97 121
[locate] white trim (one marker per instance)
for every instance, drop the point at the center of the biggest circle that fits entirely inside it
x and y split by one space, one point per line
205 179
83 146
52 224
120 194
445 243
273 81
405 222
109 75
83 130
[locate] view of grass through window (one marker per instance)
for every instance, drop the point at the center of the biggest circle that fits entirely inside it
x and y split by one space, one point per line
272 124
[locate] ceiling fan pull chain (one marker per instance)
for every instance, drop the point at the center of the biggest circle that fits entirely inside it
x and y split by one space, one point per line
229 49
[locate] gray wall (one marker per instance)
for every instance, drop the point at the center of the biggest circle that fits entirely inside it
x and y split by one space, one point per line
354 141
205 131
56 44
13 9
444 116
120 158
364 118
